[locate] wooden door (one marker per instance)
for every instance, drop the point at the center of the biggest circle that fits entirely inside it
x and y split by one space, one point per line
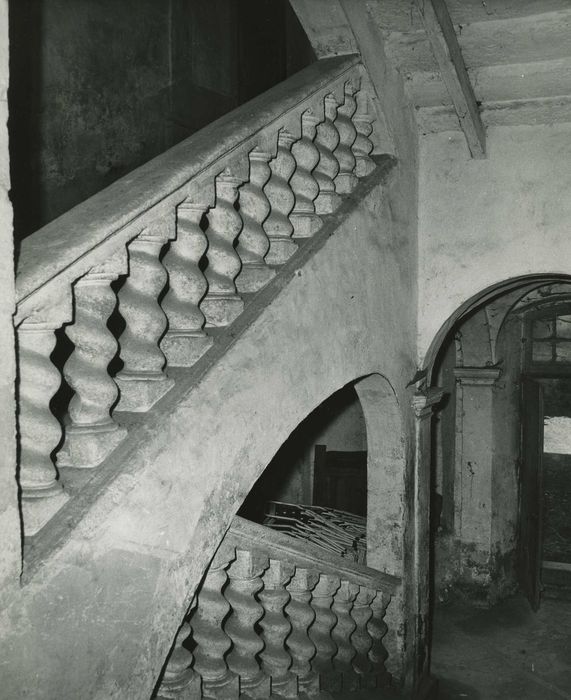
531 491
340 480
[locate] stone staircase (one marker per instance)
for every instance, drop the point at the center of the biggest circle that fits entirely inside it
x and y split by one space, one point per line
147 277
125 305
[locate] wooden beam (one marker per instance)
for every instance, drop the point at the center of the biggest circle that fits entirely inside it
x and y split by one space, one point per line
448 55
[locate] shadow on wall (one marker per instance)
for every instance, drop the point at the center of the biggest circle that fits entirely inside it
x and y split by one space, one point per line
94 94
338 423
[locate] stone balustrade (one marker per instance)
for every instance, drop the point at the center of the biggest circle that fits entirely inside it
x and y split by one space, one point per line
144 276
274 617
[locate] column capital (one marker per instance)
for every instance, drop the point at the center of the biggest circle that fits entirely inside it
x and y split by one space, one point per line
424 401
477 376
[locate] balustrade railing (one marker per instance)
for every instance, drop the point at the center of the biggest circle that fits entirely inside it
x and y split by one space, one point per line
139 274
277 617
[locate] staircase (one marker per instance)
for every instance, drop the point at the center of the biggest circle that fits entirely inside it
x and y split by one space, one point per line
127 306
275 617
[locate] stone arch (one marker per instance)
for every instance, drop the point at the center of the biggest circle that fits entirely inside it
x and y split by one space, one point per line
386 462
505 289
386 467
476 459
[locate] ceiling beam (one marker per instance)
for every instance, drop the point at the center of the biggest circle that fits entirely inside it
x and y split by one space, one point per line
448 55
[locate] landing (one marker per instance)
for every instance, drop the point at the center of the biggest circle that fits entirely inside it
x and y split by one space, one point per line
507 652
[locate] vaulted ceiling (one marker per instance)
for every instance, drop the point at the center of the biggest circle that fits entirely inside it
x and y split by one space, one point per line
517 54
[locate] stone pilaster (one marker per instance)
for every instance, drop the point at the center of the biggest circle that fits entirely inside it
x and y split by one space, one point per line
473 473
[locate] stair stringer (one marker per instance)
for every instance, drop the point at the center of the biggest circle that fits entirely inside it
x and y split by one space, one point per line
101 605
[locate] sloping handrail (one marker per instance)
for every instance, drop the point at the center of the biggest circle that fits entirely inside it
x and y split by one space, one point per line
254 537
53 257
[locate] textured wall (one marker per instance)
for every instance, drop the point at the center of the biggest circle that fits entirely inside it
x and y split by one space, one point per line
9 516
89 99
484 221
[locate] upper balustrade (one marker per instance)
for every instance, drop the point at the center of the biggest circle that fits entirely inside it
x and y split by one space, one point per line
144 275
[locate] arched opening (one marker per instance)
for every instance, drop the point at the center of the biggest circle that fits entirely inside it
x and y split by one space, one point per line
502 361
348 455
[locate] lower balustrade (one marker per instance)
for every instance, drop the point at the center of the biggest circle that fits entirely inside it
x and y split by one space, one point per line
276 618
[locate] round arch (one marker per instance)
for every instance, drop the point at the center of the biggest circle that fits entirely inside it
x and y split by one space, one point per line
481 298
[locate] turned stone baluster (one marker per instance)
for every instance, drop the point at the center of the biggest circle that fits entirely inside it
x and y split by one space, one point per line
346 180
276 660
40 431
253 244
185 340
278 190
212 642
142 381
303 183
222 304
377 628
320 632
301 616
244 582
361 637
363 146
92 433
327 140
342 661
180 680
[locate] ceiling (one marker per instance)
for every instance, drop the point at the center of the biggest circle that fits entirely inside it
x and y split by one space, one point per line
517 54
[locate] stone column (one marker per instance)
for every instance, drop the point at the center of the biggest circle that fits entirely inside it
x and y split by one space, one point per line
142 381
473 474
418 598
42 494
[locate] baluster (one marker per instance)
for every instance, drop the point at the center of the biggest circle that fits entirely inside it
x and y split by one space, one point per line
142 381
92 433
377 628
361 638
327 140
303 183
40 431
276 661
212 642
277 226
244 582
301 616
363 146
320 632
253 244
222 304
346 180
180 680
185 340
342 661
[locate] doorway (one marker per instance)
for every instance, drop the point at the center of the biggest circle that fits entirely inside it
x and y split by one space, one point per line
547 441
545 532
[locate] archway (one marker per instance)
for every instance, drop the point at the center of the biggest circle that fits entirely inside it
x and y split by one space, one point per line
483 470
361 420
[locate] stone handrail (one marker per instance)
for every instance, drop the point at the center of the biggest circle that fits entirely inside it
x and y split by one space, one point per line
293 551
56 255
274 616
141 274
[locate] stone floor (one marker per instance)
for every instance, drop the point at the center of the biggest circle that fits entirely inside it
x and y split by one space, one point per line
506 652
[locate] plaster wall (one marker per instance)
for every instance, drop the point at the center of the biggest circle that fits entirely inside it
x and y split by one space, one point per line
485 221
99 616
9 516
478 477
89 100
338 423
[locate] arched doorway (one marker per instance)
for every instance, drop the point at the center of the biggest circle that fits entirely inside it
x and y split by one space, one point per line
498 357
